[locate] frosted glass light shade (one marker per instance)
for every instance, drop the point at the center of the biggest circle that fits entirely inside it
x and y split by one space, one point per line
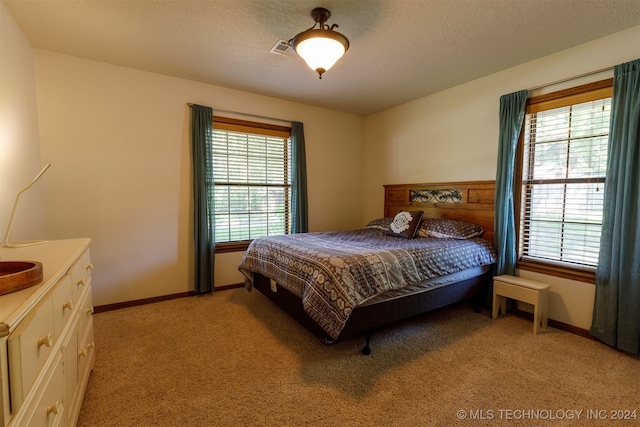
320 48
320 52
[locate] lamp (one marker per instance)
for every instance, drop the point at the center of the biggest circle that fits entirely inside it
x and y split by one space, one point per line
9 244
320 47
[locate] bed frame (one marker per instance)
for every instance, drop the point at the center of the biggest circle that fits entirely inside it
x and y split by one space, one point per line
466 201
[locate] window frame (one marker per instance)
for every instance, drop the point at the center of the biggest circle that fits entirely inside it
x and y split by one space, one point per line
571 96
246 126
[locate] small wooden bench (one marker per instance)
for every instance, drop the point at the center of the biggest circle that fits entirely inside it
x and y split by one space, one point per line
525 290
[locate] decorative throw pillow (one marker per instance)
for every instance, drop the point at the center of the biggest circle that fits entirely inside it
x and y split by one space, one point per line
449 229
405 224
380 223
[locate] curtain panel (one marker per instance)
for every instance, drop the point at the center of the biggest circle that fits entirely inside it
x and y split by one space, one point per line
616 312
300 214
203 219
512 110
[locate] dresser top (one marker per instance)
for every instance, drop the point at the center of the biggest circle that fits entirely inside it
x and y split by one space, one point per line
56 256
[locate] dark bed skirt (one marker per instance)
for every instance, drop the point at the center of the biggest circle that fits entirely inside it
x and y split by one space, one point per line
370 318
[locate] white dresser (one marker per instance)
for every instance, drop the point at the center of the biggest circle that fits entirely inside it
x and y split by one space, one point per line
46 337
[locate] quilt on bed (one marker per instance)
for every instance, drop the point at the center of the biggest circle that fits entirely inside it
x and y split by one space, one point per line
334 272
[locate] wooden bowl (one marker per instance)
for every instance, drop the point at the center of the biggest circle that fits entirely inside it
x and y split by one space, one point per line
18 275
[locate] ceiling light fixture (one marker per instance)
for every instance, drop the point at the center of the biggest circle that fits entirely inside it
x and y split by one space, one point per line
320 47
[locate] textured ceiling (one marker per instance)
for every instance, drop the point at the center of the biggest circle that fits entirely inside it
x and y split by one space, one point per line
401 50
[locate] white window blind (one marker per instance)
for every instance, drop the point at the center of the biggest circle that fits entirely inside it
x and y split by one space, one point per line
563 175
251 178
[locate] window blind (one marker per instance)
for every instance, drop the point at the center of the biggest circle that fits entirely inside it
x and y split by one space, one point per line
564 169
251 179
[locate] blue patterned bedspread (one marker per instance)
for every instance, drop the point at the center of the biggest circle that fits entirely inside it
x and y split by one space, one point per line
334 272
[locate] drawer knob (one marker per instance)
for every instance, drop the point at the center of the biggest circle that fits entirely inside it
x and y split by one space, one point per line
45 341
85 351
90 311
81 282
90 266
67 305
55 409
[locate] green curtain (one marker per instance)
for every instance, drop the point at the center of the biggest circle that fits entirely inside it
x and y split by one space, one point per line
616 312
300 214
512 109
203 219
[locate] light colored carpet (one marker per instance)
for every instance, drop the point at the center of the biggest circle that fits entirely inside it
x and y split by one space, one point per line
234 359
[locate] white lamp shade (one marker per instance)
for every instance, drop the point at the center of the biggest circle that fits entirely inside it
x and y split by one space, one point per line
320 52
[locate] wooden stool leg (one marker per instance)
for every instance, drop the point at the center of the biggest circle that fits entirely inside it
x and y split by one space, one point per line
544 297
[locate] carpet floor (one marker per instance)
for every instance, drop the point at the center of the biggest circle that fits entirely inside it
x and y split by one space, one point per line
233 358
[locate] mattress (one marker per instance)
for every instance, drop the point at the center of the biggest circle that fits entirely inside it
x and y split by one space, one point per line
428 285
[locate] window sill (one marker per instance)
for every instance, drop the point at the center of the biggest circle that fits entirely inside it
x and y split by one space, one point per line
581 275
232 246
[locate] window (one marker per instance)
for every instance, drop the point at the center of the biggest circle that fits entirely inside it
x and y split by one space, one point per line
563 167
251 179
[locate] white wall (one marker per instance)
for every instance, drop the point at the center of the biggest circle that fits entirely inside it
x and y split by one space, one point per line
19 140
453 136
119 141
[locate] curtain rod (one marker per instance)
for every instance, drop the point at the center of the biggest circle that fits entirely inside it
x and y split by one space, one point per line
255 116
568 79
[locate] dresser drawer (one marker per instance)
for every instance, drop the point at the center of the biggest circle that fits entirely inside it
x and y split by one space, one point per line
29 346
81 274
47 409
63 305
85 312
86 354
70 358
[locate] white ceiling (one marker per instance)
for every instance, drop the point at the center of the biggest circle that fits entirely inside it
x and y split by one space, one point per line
401 50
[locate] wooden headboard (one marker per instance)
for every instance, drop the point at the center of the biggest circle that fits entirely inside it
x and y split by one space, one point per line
470 201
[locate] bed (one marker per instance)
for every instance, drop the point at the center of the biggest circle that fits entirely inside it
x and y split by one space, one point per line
344 284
